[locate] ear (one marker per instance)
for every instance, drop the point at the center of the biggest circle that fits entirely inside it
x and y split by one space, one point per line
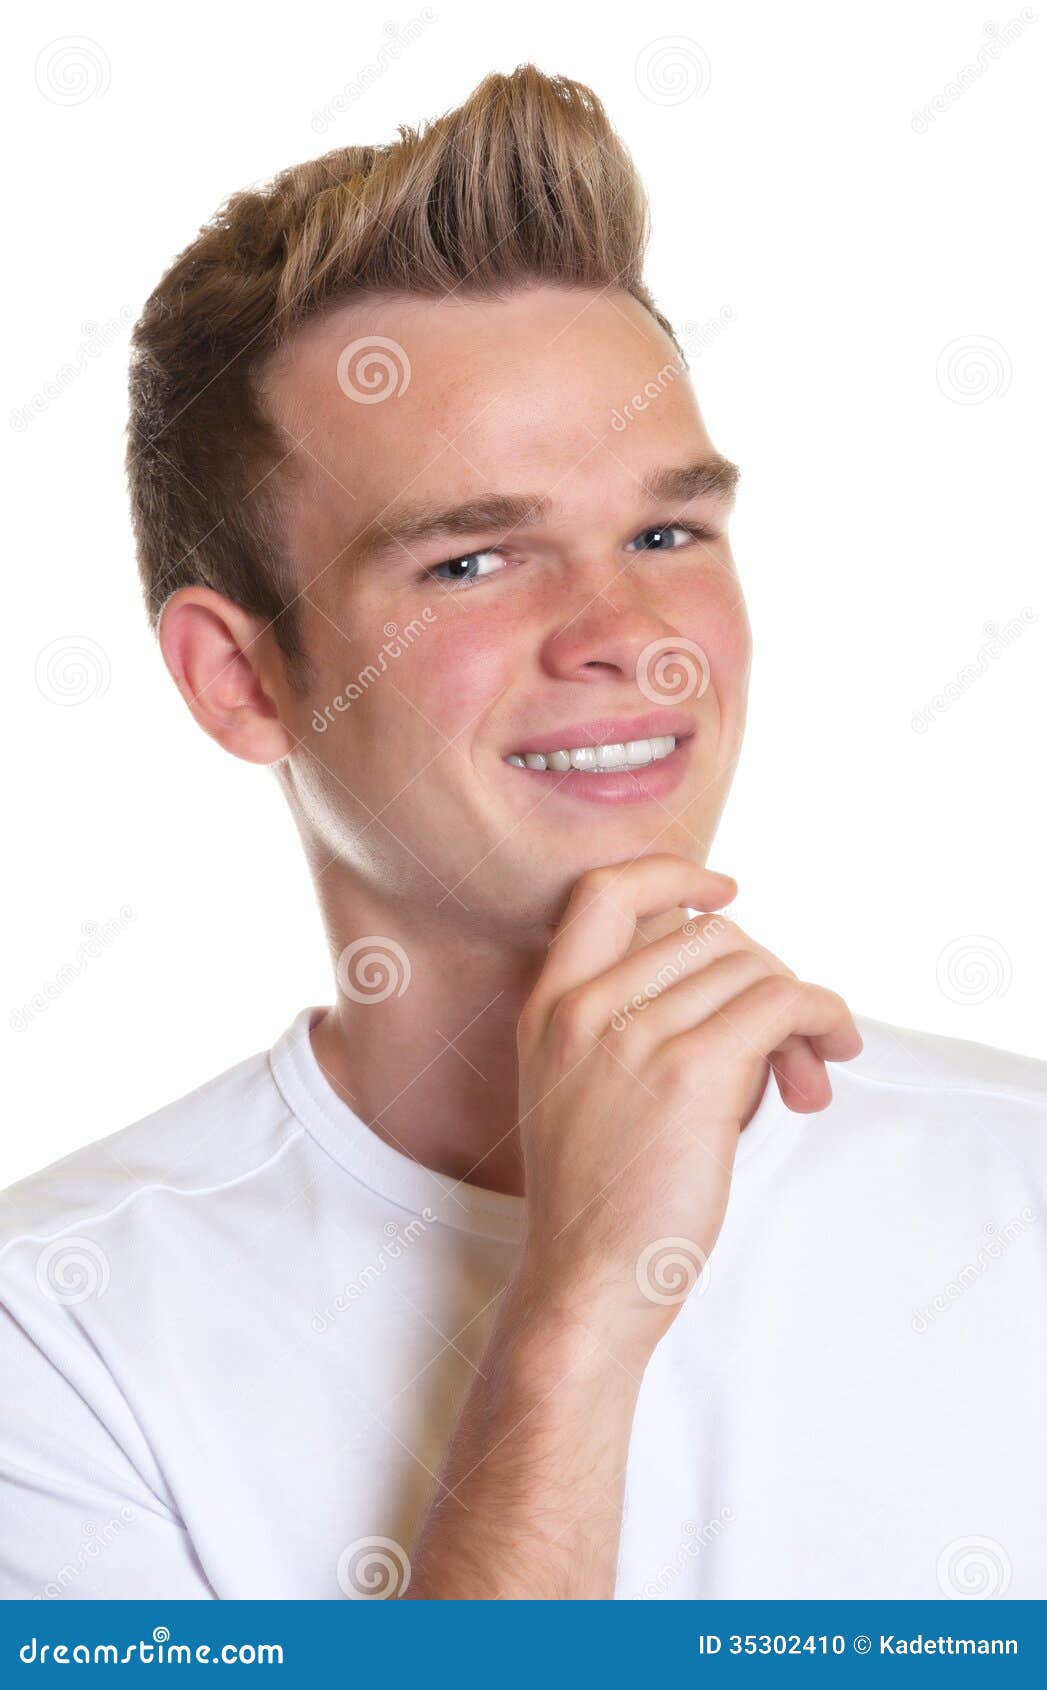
225 665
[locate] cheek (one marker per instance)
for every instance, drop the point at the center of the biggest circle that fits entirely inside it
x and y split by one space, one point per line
460 668
718 622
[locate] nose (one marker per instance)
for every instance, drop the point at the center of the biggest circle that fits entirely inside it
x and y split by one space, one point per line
604 628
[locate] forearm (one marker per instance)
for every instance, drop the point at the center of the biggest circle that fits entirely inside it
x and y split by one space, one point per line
529 1502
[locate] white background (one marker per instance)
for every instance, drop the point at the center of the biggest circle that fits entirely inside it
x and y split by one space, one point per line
891 505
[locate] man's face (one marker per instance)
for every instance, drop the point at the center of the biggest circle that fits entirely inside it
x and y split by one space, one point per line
584 613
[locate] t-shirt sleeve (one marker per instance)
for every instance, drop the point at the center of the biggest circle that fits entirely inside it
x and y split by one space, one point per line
78 1518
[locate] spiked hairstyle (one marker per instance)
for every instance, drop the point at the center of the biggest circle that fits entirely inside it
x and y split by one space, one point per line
525 182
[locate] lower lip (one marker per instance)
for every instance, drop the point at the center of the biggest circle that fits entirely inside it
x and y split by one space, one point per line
652 782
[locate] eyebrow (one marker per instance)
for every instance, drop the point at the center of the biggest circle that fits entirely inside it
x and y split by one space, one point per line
412 525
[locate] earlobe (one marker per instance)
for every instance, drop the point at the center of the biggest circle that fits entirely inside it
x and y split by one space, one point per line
215 653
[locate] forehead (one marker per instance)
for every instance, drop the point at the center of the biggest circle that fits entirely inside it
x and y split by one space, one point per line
389 397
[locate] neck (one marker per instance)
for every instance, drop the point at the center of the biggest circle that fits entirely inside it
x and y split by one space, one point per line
432 1068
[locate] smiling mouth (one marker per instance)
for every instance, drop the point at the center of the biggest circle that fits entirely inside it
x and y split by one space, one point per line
611 759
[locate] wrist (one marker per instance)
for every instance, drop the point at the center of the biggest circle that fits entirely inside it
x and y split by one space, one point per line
555 1331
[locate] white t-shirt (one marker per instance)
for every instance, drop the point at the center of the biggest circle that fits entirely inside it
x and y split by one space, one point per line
235 1336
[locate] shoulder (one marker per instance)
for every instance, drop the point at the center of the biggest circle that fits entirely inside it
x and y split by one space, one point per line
216 1136
913 1078
912 1059
106 1258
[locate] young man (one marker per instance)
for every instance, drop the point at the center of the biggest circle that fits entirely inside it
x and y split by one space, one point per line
443 1296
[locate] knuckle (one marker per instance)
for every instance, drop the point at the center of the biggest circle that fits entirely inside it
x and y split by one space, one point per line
836 1003
777 995
706 930
778 989
676 1064
749 964
801 992
596 880
571 1018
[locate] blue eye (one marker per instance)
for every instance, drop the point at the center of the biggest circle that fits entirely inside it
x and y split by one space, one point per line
652 538
463 569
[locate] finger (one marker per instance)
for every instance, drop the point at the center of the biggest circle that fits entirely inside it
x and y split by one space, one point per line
599 922
827 1046
760 1020
614 997
800 1076
649 1020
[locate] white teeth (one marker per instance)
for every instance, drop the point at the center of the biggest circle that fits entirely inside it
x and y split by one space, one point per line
598 759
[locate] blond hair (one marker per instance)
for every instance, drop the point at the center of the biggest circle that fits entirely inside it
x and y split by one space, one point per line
525 182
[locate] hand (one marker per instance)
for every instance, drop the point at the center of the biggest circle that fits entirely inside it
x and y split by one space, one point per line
638 1070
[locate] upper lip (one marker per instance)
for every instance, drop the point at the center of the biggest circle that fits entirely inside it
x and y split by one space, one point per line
606 730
